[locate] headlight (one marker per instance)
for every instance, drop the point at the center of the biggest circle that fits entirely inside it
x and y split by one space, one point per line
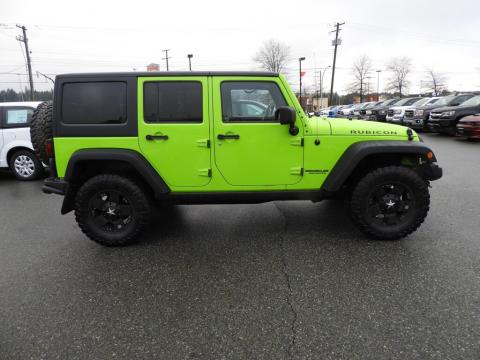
448 113
382 112
397 112
369 112
418 112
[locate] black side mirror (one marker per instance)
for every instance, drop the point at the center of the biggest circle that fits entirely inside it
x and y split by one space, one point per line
286 115
455 104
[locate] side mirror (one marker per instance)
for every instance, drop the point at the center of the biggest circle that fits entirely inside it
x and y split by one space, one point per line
455 104
286 115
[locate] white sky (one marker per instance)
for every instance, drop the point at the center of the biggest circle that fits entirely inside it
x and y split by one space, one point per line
84 36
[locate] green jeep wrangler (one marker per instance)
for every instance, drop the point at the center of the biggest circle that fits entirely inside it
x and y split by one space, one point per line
118 142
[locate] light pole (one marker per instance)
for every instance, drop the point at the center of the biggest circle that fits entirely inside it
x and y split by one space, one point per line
378 84
300 75
321 80
190 61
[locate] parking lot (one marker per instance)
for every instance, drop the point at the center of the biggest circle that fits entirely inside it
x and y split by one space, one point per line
281 280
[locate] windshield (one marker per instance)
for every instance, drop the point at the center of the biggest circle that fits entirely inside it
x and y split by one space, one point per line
474 101
402 102
445 100
431 101
421 102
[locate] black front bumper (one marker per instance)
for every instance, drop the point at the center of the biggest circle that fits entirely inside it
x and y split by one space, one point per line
54 186
430 171
441 125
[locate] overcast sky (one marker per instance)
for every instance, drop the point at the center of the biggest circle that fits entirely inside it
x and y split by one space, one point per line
81 36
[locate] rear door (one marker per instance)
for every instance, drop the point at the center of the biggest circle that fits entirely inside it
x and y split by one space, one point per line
173 128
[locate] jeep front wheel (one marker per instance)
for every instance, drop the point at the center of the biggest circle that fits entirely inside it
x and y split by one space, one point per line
111 209
390 202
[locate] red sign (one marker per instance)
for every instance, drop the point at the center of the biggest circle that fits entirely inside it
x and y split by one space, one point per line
302 73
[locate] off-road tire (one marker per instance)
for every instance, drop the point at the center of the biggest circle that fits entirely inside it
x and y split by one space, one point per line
24 156
137 199
41 129
391 174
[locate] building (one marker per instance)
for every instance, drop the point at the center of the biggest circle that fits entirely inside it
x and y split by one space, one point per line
153 67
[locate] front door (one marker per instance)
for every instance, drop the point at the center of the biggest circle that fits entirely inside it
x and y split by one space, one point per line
251 148
173 128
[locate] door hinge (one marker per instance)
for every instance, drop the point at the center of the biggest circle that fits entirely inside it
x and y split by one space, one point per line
296 171
203 143
297 142
205 172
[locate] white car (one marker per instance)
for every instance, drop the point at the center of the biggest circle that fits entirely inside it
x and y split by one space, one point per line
16 150
396 113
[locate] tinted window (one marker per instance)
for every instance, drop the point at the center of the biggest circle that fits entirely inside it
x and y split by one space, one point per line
172 102
250 101
18 117
94 103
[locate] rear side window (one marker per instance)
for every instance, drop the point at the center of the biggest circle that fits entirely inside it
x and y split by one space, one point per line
94 103
18 117
172 102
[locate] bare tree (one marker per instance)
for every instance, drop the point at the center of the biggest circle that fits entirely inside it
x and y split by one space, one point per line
273 55
437 82
399 69
361 71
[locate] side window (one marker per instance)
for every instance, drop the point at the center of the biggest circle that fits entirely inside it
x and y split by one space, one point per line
165 102
94 103
250 101
18 117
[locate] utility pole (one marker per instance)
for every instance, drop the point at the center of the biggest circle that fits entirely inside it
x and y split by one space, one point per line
190 56
322 74
336 31
378 84
24 39
166 56
300 76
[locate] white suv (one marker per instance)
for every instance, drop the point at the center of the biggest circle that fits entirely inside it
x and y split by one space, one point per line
16 150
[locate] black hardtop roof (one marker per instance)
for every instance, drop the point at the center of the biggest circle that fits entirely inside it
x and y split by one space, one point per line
170 73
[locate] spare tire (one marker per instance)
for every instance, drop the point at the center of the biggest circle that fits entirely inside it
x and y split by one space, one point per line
41 129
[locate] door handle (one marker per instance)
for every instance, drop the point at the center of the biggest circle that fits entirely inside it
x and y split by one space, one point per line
156 137
228 136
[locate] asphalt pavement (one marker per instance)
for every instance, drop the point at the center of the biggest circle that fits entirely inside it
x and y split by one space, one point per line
281 280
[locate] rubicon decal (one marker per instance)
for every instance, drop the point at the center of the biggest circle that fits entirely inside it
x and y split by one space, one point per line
373 132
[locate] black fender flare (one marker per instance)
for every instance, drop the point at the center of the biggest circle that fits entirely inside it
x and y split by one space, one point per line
358 151
131 157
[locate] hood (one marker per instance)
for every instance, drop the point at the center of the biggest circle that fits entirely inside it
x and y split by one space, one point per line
400 107
472 118
449 108
346 127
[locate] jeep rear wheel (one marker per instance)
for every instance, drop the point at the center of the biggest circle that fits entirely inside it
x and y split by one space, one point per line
390 203
111 209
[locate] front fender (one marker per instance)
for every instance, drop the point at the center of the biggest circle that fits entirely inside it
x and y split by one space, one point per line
360 150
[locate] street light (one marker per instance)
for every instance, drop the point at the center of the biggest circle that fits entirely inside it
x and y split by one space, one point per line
378 84
321 80
190 61
300 73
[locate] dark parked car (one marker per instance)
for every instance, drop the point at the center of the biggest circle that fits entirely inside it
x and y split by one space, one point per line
363 112
379 113
445 119
469 127
417 117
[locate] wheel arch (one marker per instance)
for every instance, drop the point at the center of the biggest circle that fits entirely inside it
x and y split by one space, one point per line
87 163
14 148
365 155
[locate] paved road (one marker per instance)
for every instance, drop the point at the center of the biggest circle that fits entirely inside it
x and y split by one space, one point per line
283 280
